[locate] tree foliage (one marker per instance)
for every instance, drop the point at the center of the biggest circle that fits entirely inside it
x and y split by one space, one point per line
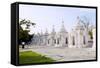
24 35
90 34
86 24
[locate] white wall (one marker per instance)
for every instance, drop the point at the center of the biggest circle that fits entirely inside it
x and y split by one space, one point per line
5 33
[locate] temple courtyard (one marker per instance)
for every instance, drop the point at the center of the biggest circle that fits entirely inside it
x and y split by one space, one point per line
63 53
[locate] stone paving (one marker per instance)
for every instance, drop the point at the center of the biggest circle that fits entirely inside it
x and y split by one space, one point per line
64 53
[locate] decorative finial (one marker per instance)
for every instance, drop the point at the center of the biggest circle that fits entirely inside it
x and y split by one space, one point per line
46 31
41 32
77 17
62 21
53 30
53 26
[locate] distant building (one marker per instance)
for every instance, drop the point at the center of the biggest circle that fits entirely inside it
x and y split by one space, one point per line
94 39
77 38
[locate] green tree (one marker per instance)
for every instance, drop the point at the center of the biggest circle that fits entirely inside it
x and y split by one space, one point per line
24 35
90 34
86 24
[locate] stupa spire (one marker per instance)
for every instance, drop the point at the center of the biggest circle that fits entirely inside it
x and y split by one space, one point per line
41 32
53 29
78 24
63 27
78 20
46 32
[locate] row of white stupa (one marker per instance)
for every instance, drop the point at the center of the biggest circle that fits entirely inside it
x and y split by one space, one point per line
77 38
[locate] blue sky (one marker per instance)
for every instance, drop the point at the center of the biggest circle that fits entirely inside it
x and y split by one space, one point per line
47 16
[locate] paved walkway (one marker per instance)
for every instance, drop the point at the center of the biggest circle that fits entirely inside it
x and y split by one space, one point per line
64 53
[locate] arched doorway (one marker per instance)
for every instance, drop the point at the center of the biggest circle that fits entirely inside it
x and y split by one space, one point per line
73 40
84 40
66 40
55 41
58 41
48 41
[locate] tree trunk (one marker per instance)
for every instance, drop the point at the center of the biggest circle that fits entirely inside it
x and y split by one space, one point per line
23 46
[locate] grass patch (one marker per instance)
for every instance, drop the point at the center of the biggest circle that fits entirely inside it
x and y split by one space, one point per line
33 57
